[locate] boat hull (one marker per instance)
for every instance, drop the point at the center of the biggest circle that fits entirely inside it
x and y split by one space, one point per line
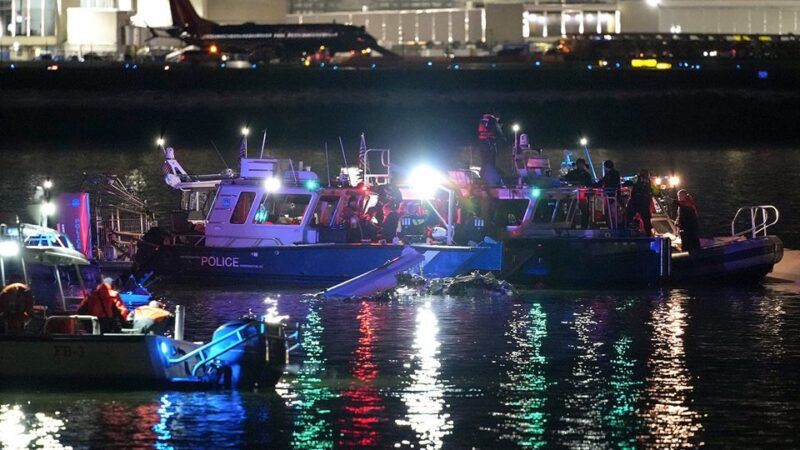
586 261
313 264
91 360
742 261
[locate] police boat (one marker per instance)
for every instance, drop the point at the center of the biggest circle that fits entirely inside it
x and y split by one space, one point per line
68 349
538 217
274 221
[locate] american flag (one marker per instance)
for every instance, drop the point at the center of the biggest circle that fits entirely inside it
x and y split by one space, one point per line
362 154
243 148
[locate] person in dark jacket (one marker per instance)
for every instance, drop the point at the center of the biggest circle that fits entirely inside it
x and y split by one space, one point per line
687 222
641 201
489 131
580 176
610 183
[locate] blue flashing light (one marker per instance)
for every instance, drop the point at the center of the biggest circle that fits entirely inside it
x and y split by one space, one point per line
164 348
455 67
222 65
589 66
618 65
430 63
335 67
373 65
763 74
253 66
537 63
536 192
311 185
322 64
13 66
738 66
135 66
126 65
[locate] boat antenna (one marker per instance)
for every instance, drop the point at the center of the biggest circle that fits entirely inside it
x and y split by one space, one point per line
263 143
219 154
585 144
327 164
341 145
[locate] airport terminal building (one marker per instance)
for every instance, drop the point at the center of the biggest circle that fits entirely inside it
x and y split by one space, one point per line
31 28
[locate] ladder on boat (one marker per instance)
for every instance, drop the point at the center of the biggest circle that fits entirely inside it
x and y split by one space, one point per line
761 218
207 353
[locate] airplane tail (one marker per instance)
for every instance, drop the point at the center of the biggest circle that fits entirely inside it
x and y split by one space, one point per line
185 18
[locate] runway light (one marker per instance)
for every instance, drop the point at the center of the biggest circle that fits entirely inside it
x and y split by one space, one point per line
245 131
48 208
425 180
272 184
674 181
9 249
584 141
160 142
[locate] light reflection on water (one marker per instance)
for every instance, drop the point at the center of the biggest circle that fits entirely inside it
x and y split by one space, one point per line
669 417
653 369
424 395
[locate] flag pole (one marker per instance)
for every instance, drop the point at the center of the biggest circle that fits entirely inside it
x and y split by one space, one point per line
327 164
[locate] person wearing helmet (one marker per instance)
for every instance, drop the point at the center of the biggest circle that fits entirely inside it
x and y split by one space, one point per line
151 318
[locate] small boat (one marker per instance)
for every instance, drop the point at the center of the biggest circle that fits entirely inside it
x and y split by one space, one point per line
67 349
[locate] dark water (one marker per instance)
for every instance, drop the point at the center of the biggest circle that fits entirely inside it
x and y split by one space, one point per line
574 369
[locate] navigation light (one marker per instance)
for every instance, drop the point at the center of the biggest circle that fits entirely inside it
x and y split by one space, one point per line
584 141
245 131
536 192
311 185
48 184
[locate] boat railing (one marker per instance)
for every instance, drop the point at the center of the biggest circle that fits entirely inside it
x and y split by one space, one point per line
75 317
373 178
207 352
761 218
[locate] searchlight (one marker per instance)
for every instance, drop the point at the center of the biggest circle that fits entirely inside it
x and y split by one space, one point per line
272 184
48 208
584 141
515 127
674 181
9 249
425 180
48 184
245 131
160 142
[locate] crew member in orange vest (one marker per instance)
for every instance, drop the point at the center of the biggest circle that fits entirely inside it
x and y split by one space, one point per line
105 304
16 305
151 318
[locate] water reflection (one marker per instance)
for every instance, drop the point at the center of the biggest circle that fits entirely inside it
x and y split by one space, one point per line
362 400
625 392
424 398
306 393
527 385
17 431
668 416
585 401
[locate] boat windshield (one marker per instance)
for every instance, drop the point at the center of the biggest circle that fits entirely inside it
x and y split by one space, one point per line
281 209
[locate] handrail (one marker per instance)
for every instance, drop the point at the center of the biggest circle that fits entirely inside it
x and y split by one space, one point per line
761 218
207 345
93 319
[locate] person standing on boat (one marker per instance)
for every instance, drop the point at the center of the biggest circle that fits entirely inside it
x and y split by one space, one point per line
580 176
16 306
489 131
687 222
610 183
105 304
352 216
641 201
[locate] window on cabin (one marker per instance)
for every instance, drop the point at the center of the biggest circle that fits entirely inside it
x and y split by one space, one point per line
281 209
563 210
326 208
510 212
242 207
544 210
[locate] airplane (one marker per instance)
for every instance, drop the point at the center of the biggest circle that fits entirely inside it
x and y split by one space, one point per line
263 43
